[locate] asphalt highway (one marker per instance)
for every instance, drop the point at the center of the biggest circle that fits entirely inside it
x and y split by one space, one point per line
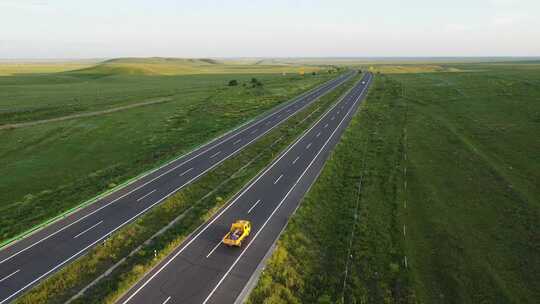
26 262
202 269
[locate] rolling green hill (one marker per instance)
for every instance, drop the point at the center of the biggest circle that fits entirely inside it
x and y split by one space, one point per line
152 66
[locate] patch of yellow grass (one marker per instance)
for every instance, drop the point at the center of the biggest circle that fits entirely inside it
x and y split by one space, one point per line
8 69
403 69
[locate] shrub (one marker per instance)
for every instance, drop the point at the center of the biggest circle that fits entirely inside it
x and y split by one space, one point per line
255 82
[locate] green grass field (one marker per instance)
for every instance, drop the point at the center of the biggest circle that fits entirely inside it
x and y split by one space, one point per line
50 167
449 170
29 93
474 184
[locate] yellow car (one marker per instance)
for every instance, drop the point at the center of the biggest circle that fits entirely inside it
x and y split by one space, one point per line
239 232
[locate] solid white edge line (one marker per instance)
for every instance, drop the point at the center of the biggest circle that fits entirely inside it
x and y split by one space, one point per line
86 230
254 205
147 194
185 172
281 202
230 204
9 275
331 84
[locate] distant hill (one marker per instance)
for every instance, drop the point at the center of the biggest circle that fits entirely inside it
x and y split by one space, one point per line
151 66
184 66
162 60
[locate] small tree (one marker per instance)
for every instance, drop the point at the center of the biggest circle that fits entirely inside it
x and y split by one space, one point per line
233 83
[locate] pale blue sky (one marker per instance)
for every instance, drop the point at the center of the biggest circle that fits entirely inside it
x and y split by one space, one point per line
270 28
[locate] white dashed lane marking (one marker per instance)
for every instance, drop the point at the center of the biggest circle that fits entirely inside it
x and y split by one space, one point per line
147 194
254 205
9 276
215 154
184 173
85 231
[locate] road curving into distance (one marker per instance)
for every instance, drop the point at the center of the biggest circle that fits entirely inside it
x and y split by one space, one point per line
202 269
26 262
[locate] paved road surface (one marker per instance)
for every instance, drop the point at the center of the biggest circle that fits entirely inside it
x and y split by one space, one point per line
31 259
202 269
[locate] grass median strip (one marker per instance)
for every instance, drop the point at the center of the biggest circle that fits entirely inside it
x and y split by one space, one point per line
180 214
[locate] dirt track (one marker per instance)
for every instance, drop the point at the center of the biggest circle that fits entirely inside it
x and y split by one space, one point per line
88 114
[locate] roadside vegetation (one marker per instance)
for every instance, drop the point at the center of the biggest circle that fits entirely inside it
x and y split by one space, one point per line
432 196
32 94
168 224
136 123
